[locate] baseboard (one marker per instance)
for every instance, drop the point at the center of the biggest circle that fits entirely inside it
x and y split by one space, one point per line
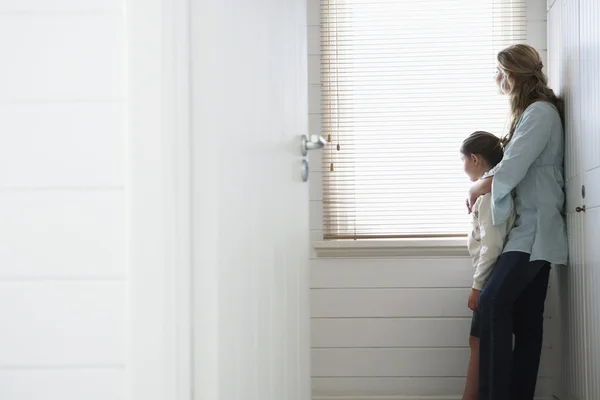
394 397
398 397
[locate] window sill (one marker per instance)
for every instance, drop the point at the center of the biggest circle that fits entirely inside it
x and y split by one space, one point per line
443 247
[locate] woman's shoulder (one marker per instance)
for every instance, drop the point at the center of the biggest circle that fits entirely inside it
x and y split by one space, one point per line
541 108
540 112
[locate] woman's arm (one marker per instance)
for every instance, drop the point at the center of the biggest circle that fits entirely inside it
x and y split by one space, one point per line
530 139
479 188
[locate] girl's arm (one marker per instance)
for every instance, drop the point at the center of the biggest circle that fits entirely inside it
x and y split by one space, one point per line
492 243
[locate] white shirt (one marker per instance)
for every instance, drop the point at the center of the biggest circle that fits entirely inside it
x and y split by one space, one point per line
486 240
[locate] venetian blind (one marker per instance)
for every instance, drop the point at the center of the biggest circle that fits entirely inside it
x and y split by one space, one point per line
403 83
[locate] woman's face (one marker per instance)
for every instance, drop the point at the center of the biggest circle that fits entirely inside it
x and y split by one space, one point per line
501 81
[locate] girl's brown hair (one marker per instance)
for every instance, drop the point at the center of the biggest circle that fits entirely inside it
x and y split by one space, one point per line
526 81
486 145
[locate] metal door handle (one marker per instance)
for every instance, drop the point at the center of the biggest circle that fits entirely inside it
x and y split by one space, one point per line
580 209
316 142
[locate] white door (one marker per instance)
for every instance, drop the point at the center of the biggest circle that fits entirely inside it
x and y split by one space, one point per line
250 205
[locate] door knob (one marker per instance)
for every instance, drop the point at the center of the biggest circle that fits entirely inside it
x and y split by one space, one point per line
580 209
315 142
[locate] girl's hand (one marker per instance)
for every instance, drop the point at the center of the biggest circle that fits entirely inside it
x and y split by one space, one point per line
474 299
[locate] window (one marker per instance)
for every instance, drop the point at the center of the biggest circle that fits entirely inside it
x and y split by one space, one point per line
403 83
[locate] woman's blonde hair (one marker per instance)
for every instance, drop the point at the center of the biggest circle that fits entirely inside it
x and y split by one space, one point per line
526 82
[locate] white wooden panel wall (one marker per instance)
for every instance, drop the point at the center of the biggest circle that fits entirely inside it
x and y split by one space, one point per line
592 309
63 286
575 63
393 327
589 43
565 14
589 59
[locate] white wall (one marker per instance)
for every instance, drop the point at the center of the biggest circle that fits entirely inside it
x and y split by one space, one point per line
63 274
574 65
393 326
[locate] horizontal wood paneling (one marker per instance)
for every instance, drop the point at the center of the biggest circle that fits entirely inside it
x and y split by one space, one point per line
43 67
398 362
392 273
58 324
69 234
64 285
86 147
408 386
393 303
390 303
64 384
395 332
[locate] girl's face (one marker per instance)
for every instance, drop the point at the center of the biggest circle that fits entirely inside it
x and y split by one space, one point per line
502 81
473 166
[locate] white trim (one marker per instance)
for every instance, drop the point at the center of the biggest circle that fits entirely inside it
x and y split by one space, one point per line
177 143
394 397
451 247
206 232
159 200
399 397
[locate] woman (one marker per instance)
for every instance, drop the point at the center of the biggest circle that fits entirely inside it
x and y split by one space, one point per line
532 171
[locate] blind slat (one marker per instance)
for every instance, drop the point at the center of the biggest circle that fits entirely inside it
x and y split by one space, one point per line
403 82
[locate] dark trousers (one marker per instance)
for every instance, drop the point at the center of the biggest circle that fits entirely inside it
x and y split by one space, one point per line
512 302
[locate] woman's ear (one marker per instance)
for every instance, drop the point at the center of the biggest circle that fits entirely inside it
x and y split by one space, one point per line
475 159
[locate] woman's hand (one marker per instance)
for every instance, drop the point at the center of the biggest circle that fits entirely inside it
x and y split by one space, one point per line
479 188
474 299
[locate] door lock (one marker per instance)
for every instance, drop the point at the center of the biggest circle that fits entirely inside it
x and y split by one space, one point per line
305 171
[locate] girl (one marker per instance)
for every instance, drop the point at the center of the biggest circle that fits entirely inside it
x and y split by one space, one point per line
532 167
480 152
